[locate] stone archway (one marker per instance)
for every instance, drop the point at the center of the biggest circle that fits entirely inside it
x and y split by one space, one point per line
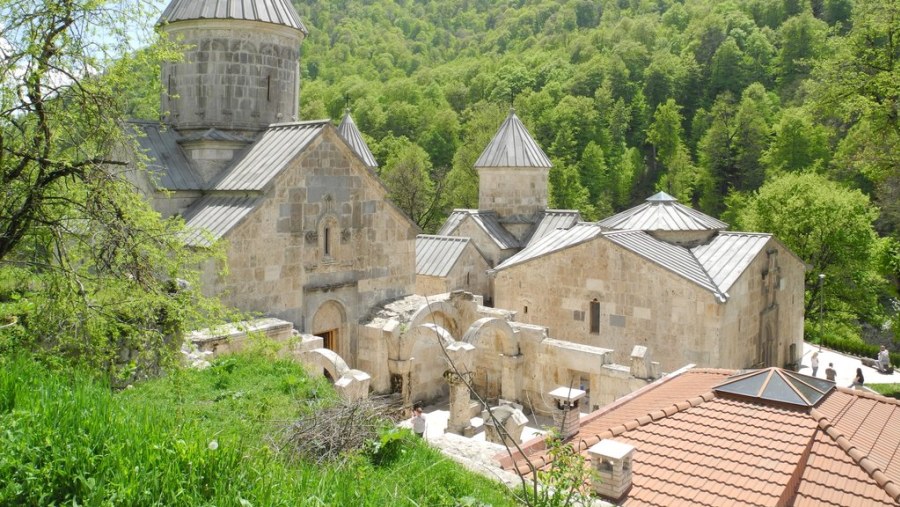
329 361
498 360
330 323
438 313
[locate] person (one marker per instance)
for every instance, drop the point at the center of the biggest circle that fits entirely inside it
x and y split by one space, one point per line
830 373
858 380
419 423
884 360
814 362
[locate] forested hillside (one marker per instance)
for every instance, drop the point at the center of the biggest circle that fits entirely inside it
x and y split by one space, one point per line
776 115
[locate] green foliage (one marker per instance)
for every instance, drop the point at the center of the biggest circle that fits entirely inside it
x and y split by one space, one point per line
69 440
562 483
830 228
89 271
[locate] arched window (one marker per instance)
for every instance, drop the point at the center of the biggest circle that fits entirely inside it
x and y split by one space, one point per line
329 237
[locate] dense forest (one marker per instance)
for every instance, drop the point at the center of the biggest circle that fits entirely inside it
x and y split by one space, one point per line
774 115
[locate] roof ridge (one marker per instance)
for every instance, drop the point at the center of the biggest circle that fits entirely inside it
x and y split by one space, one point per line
859 457
722 295
299 123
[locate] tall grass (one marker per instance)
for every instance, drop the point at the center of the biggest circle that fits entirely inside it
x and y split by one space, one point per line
191 439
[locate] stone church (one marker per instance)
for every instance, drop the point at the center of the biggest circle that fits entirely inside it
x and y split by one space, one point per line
312 239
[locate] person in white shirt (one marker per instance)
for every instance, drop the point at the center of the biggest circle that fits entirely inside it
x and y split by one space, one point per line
884 360
419 423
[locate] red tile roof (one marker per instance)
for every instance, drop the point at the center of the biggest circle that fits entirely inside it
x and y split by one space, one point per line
696 446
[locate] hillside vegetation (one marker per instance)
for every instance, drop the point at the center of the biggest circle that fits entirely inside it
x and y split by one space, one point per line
728 106
199 438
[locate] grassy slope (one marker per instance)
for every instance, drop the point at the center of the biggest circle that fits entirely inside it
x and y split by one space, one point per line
64 437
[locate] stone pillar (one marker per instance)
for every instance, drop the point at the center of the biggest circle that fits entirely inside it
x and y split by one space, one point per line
565 411
510 377
612 468
460 412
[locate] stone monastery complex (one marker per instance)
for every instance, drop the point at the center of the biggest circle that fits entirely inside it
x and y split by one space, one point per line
522 298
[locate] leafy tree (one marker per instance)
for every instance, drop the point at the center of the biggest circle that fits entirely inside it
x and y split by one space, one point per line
406 174
830 228
798 143
802 40
88 269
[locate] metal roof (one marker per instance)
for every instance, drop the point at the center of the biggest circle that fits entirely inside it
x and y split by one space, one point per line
728 255
347 129
216 215
677 259
488 221
775 384
166 161
554 241
278 12
214 134
553 219
436 255
662 212
513 146
279 144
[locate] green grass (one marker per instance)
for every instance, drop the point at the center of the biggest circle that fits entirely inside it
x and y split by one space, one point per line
67 439
892 390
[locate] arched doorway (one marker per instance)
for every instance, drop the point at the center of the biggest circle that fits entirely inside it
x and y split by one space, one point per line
329 323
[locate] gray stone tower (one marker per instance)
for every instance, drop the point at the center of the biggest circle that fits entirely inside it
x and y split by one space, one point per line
240 71
512 176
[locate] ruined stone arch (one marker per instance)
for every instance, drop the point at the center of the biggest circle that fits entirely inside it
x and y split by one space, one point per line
423 335
498 331
329 322
493 339
440 313
329 361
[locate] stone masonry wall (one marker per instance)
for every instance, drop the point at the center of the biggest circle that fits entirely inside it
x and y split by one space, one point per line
640 304
275 256
513 191
235 75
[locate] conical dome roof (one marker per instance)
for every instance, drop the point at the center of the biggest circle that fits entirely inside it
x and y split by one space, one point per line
279 12
347 129
513 146
662 212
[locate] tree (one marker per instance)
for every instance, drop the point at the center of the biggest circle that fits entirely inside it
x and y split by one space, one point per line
679 177
798 144
98 269
407 176
830 228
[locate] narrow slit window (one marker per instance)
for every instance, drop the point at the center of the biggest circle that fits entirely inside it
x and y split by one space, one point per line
595 317
327 241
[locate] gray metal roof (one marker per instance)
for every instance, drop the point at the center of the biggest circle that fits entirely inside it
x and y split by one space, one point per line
278 12
776 384
216 214
513 146
554 241
488 221
728 255
553 219
347 129
214 134
279 144
436 255
167 162
662 212
677 259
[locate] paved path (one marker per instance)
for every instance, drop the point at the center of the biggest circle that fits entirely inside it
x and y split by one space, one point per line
845 366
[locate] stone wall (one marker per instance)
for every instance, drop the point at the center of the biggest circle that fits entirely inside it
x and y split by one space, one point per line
513 191
642 303
235 75
485 244
276 258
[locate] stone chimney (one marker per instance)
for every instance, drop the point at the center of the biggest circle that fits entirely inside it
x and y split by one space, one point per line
565 411
612 466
